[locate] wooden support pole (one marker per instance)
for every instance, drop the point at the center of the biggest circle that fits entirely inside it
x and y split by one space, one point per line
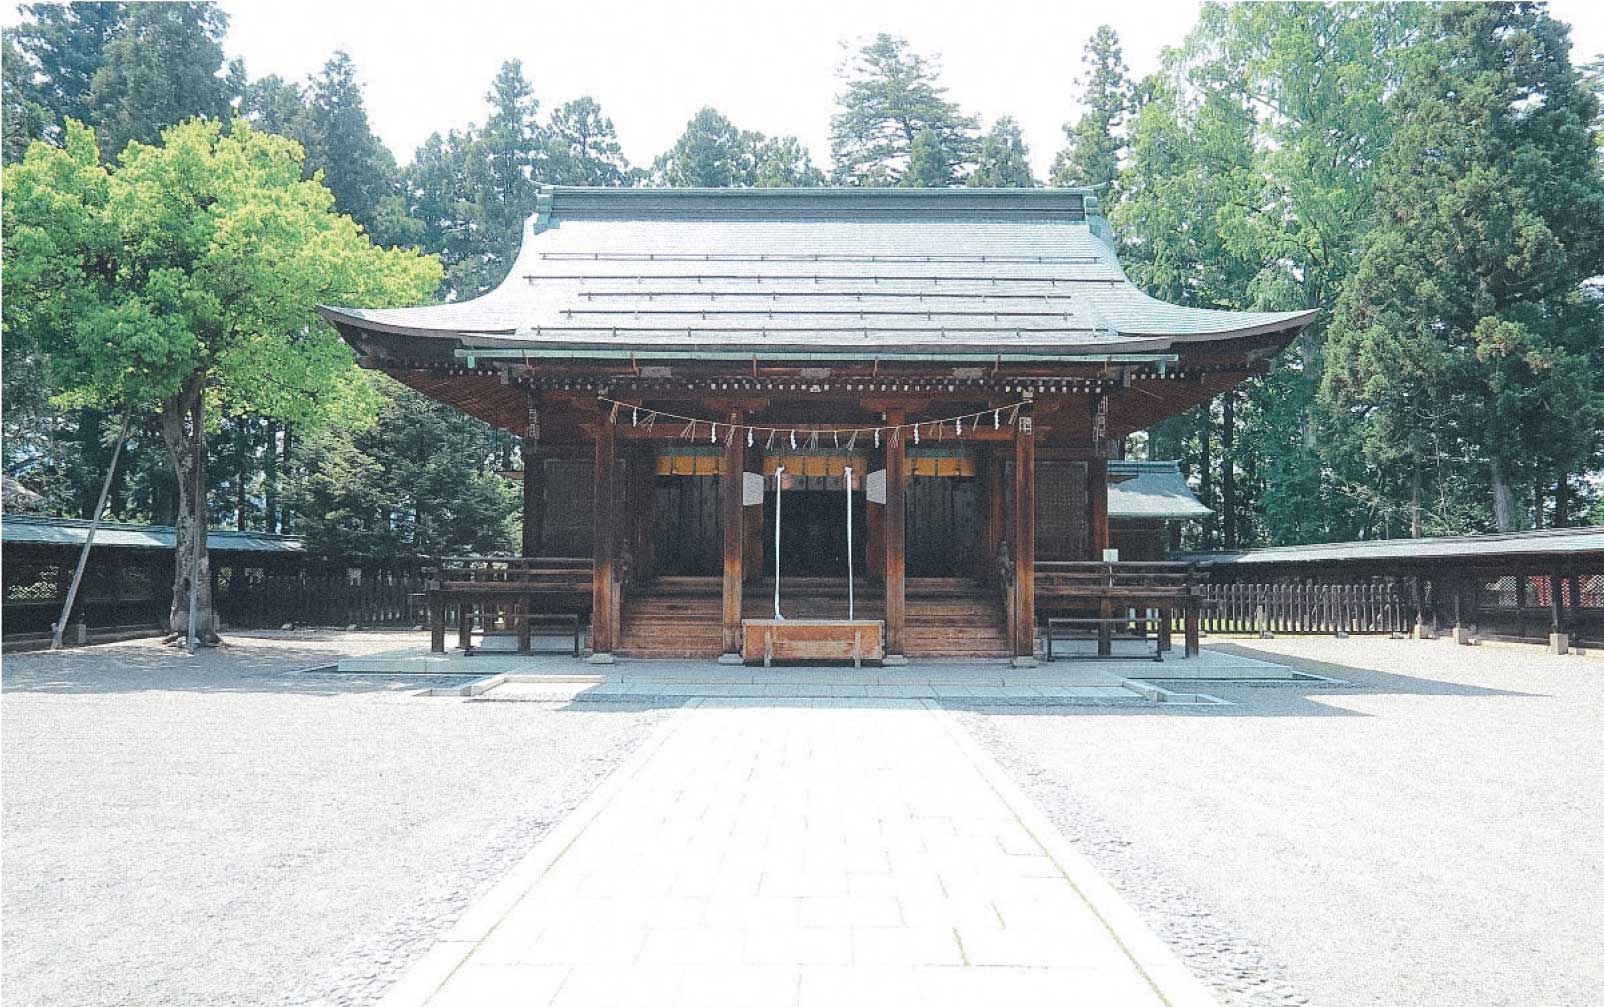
992 536
602 617
1024 536
731 516
894 531
534 497
1097 506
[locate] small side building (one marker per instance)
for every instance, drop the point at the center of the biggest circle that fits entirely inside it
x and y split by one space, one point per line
128 584
1145 499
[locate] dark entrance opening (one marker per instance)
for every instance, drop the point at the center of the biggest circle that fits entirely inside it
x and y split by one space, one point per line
813 534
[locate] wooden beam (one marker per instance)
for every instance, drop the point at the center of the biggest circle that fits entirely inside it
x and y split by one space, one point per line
534 496
605 526
731 516
1024 535
893 532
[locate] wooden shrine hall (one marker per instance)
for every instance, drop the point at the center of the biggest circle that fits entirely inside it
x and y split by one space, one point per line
713 387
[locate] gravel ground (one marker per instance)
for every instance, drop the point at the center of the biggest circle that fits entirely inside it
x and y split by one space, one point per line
1431 834
222 830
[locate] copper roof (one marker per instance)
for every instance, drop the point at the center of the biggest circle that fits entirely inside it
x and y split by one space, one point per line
843 271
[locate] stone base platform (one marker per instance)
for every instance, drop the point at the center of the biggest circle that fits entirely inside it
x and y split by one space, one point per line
544 677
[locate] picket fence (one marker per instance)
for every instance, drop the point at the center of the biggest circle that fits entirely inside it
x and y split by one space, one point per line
1306 607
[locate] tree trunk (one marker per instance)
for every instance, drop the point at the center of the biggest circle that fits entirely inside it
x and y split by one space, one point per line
1503 496
1205 477
242 465
1415 529
186 449
284 466
1228 467
1562 503
270 480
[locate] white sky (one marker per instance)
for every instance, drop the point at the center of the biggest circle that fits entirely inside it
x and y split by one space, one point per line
768 66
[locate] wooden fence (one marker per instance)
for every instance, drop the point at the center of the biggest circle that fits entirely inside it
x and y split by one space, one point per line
1306 607
323 599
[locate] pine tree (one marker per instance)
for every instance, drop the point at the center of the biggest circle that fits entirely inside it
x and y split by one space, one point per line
891 96
710 154
582 147
357 167
929 167
59 48
1004 161
1466 324
1092 151
165 65
25 118
783 161
276 105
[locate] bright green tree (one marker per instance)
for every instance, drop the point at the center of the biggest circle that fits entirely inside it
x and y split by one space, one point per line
1465 321
1092 144
891 95
164 65
1004 161
184 276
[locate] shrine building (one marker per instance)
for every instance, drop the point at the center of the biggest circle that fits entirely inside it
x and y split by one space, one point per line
924 387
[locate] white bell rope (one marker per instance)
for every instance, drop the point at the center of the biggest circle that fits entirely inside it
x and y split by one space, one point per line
779 481
849 542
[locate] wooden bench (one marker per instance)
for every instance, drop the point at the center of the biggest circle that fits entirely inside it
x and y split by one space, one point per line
1105 626
491 589
855 640
1109 589
525 621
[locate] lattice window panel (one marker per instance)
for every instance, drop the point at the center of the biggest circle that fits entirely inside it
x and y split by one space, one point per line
1500 592
33 583
1591 592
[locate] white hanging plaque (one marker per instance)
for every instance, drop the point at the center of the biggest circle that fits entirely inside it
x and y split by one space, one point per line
751 489
874 486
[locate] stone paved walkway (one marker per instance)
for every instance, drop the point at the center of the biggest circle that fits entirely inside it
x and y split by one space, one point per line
810 852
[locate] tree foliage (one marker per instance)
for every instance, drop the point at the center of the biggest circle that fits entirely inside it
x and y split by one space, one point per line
890 96
190 271
712 153
164 65
1004 160
1465 333
1092 146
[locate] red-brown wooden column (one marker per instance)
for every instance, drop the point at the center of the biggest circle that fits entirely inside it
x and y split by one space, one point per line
605 527
1097 506
731 516
893 532
992 533
1024 536
534 496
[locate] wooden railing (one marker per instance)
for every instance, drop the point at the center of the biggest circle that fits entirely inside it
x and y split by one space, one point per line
325 599
1121 591
1307 608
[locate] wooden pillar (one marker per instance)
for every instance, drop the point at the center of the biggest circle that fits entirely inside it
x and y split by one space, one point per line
605 526
534 497
731 516
992 530
1097 507
893 532
1024 536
